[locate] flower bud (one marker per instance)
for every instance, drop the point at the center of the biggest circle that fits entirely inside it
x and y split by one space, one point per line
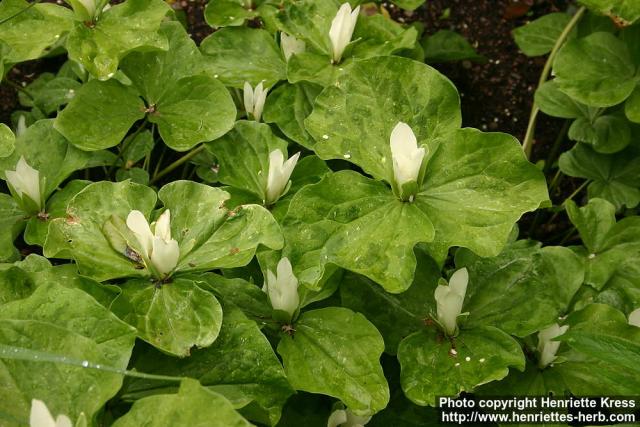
279 174
291 45
24 183
254 100
407 157
341 30
449 299
282 288
547 348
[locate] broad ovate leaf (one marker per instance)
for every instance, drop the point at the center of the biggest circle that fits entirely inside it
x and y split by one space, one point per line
596 70
539 36
193 405
239 54
173 317
336 352
68 323
626 12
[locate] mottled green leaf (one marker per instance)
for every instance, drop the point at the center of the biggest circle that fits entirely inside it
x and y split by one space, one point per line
446 45
539 36
626 11
607 133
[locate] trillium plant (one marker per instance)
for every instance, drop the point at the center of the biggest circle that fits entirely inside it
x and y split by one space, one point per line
279 216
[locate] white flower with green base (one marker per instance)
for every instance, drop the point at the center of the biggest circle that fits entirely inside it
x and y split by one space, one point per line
280 171
449 300
254 99
291 45
547 348
341 30
282 289
159 251
26 185
346 418
407 161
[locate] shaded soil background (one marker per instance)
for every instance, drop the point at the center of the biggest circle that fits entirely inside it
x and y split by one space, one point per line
496 95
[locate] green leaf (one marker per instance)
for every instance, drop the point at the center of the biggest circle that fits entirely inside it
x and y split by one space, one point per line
603 356
355 223
310 21
539 36
51 154
240 365
126 27
193 110
32 32
354 119
632 106
611 246
607 133
288 106
80 235
212 236
553 102
247 296
173 317
15 284
314 68
522 290
596 70
336 352
430 369
243 156
187 103
395 316
69 323
100 114
7 140
227 13
239 54
476 186
38 226
50 93
192 405
378 35
625 11
446 45
12 222
408 4
615 177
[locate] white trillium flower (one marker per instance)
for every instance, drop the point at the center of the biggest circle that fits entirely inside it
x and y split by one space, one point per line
449 300
158 247
342 28
279 174
282 288
634 317
547 348
254 100
407 157
291 45
41 417
21 127
25 181
346 418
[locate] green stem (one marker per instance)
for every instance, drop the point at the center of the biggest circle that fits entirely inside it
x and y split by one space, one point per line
19 88
574 194
527 145
553 153
127 143
177 163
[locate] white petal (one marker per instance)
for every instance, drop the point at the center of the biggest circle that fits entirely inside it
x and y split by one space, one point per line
546 347
337 418
90 6
40 415
634 317
403 140
259 98
277 177
341 30
25 181
248 98
407 157
63 421
165 254
283 294
459 281
140 227
291 45
163 226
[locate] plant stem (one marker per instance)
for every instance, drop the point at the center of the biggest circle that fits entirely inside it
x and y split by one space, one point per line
574 194
553 153
527 145
128 141
191 154
19 88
